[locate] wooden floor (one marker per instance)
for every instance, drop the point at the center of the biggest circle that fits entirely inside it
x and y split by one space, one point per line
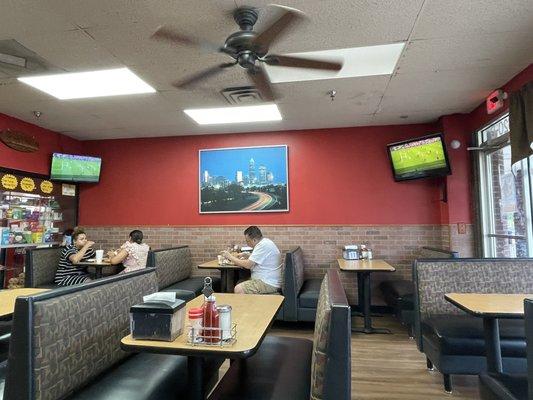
390 367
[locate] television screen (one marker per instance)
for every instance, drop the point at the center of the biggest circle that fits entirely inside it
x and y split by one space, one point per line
73 168
419 158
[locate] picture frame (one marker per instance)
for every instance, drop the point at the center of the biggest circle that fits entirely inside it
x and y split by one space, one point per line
243 179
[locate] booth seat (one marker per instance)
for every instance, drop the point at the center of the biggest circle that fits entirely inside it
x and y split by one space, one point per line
41 266
301 295
65 344
452 340
173 268
502 386
299 369
399 294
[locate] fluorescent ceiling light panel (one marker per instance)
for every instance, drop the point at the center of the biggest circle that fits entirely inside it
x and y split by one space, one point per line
358 61
228 115
79 85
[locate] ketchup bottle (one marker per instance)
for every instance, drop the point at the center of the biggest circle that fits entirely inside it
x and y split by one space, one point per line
211 320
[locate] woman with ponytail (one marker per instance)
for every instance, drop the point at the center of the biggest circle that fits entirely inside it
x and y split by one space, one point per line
131 254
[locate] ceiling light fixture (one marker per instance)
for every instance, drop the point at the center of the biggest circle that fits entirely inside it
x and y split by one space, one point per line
79 85
228 115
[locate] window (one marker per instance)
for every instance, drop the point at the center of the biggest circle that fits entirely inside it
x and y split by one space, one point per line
505 194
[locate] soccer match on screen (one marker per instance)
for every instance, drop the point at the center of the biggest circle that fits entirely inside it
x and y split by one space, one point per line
75 168
416 156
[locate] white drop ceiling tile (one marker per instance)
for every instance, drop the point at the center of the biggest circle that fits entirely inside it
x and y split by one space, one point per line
413 118
199 98
162 75
18 17
73 51
142 110
334 24
56 116
474 79
445 18
197 17
405 104
508 48
330 111
98 12
133 46
349 89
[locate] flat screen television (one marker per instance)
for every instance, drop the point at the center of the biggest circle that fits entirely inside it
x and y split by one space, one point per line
75 168
419 158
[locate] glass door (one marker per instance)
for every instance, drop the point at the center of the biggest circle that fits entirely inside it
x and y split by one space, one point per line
505 193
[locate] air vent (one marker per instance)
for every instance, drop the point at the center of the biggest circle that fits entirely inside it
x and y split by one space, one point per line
244 95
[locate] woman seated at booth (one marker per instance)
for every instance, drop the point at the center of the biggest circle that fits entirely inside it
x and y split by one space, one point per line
68 273
132 254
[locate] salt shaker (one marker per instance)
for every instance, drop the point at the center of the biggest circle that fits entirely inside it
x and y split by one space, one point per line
224 312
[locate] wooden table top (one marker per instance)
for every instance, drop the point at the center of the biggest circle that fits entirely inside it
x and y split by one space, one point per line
8 297
215 265
490 305
252 313
365 265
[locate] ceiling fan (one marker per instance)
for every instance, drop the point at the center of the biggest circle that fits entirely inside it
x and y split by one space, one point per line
248 48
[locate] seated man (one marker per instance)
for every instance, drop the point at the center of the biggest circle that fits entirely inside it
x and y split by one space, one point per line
264 262
80 250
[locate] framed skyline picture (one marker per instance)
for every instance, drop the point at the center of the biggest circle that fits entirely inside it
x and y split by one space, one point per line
244 179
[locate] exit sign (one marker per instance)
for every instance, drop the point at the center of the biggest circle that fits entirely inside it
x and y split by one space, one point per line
495 101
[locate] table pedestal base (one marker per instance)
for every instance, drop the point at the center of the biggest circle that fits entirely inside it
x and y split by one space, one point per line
363 285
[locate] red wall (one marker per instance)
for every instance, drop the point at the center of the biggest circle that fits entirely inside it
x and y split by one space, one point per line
39 161
336 176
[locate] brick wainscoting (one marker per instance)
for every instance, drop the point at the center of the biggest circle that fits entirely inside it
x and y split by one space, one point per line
398 245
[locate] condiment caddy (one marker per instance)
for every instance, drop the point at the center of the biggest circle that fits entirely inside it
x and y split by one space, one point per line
354 252
210 325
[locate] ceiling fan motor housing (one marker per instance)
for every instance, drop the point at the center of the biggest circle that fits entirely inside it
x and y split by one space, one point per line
245 17
243 41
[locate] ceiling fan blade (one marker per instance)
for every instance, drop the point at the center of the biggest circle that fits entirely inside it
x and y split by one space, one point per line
168 34
300 62
261 82
193 79
271 33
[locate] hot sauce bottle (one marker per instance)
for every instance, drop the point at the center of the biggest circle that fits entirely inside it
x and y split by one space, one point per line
211 320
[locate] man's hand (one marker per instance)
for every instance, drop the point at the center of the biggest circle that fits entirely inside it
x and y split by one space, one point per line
226 254
89 243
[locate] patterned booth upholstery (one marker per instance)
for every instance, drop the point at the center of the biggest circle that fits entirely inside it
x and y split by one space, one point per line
399 294
298 369
66 345
301 295
41 266
452 340
512 386
173 268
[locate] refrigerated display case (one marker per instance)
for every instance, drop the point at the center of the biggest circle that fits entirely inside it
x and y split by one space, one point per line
34 212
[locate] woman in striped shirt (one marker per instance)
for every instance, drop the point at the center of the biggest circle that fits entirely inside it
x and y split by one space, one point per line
80 250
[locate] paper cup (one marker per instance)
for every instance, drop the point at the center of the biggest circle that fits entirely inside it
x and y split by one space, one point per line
99 256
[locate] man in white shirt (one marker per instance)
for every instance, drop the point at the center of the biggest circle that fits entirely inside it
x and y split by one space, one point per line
264 262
